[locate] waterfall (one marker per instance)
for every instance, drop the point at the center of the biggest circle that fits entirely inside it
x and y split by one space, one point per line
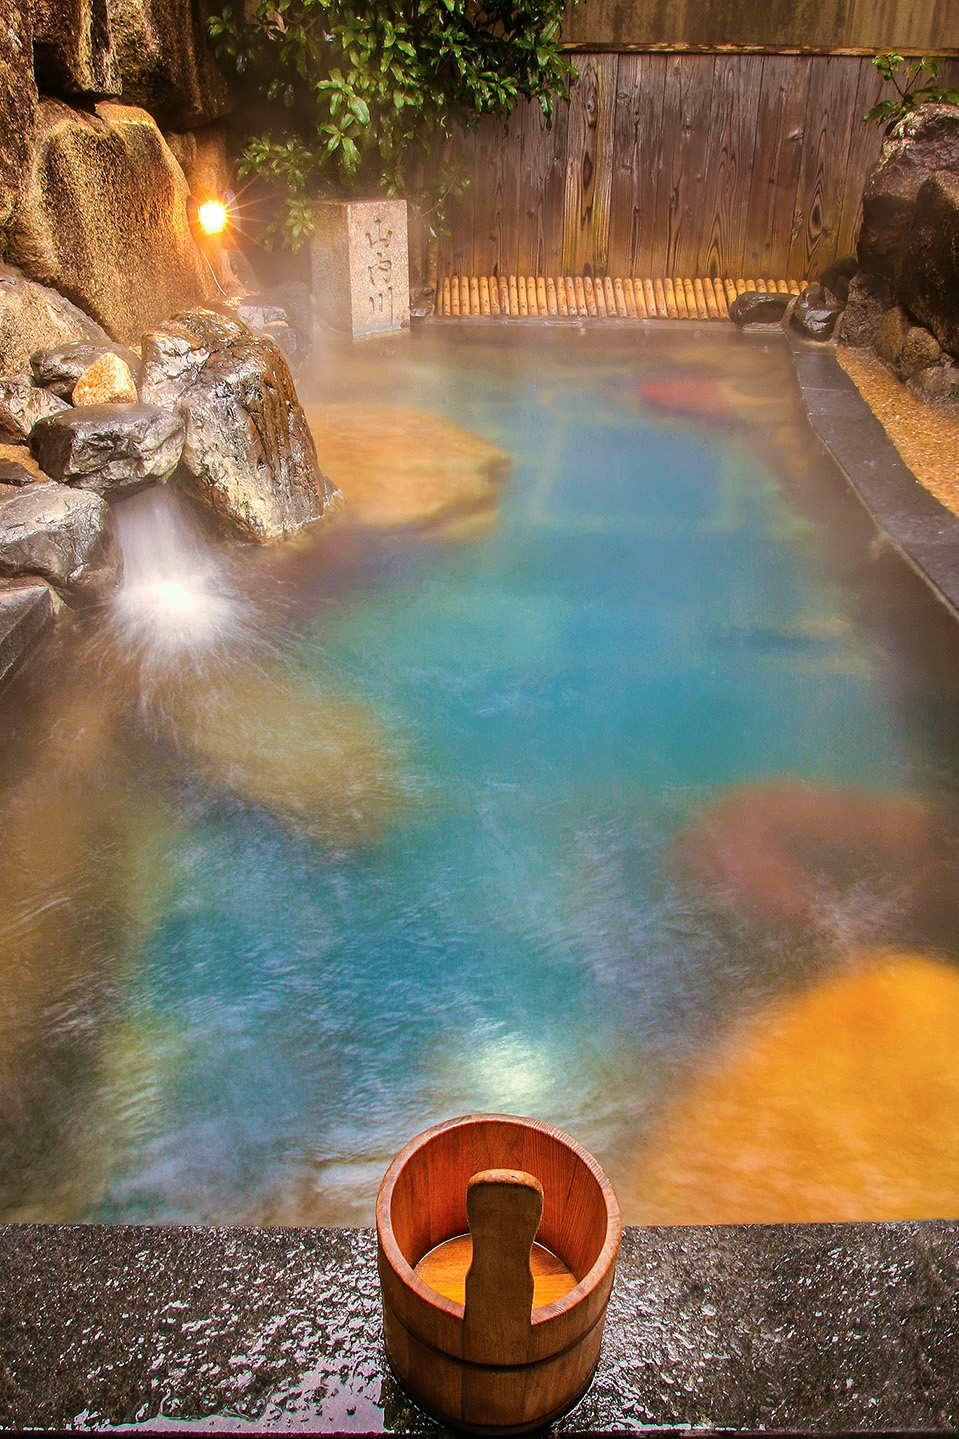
174 596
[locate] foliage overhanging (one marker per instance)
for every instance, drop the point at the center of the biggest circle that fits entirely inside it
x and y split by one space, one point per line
343 97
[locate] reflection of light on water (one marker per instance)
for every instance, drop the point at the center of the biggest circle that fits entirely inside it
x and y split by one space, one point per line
511 1071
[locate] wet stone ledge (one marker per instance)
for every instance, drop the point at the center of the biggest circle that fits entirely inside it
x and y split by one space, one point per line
919 526
800 1328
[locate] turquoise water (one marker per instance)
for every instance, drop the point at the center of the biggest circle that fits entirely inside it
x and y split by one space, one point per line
656 616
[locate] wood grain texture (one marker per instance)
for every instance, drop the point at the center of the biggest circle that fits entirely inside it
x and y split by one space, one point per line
812 24
678 164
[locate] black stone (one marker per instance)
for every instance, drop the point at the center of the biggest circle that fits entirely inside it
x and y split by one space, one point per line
115 448
58 370
937 385
750 309
22 404
815 314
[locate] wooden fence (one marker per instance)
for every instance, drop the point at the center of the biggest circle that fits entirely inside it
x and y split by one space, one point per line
675 164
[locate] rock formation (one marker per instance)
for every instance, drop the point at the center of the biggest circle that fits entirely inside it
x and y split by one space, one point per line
22 404
61 534
108 381
34 316
59 369
109 448
248 451
102 216
903 300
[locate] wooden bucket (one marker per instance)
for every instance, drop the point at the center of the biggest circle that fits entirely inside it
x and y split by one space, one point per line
502 1362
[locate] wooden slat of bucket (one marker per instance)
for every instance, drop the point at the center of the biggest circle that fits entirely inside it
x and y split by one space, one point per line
679 294
445 302
503 295
629 299
580 288
795 287
722 308
600 295
590 295
690 294
454 295
649 296
541 297
731 291
671 307
551 301
701 312
484 304
561 297
710 298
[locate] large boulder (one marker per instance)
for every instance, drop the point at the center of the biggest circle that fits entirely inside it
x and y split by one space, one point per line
930 270
63 535
33 316
165 61
109 448
73 47
248 451
103 217
18 101
925 142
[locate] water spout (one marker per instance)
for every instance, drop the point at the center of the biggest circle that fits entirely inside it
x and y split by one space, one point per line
174 597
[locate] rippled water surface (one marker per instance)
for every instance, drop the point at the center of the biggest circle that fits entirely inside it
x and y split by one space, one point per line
630 795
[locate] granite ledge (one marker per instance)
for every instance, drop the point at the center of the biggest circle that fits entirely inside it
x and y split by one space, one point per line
808 1329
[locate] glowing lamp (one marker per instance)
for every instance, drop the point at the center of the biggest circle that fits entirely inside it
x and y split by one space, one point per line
212 217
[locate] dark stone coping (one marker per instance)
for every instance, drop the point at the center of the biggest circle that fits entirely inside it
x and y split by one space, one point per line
925 532
811 1328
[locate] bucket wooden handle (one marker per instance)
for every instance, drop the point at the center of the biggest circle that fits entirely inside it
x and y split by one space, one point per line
504 1208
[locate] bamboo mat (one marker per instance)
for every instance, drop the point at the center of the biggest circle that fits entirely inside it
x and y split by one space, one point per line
543 297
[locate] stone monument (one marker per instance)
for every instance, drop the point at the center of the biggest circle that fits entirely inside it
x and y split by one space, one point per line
360 263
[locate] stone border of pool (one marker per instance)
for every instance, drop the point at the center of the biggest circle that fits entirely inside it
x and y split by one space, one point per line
803 1329
812 1329
920 527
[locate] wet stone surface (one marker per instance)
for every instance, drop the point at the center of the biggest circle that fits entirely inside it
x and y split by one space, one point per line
808 1328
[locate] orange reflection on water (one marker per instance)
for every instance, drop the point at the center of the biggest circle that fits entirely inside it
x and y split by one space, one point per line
842 1104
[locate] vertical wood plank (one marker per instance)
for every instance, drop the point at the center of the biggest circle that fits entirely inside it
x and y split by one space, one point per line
771 205
589 165
828 128
686 114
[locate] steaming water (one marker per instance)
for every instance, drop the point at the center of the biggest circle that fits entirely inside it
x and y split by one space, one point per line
318 846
